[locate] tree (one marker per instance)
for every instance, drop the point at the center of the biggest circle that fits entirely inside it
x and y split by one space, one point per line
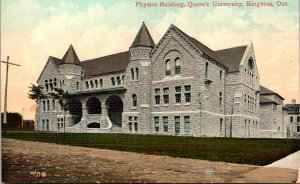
62 97
36 93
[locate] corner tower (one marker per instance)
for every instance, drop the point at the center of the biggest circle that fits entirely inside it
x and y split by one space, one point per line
70 71
137 115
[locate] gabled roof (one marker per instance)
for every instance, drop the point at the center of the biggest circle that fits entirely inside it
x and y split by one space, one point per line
265 91
70 57
143 38
206 50
107 64
265 100
232 57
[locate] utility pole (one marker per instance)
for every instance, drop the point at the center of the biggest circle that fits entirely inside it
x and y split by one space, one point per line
5 92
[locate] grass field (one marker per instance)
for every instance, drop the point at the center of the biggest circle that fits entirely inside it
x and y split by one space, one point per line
234 150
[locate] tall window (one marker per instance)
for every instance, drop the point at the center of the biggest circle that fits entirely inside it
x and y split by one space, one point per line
206 70
44 105
187 93
177 66
165 124
245 127
119 80
113 81
298 128
156 124
220 99
186 124
53 105
96 83
130 121
177 124
92 84
178 94
101 83
298 119
46 85
77 85
291 119
221 75
168 67
123 79
55 82
48 105
137 73
43 124
47 124
166 95
221 126
132 74
157 96
134 100
135 123
51 85
87 84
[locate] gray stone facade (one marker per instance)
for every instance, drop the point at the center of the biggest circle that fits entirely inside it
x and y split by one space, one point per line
176 87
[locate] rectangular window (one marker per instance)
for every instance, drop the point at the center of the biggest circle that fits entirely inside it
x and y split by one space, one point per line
186 124
206 70
298 119
221 126
291 119
220 100
177 70
130 123
168 72
187 93
178 94
43 121
165 124
221 75
135 123
156 124
47 124
166 95
157 96
177 124
58 127
298 128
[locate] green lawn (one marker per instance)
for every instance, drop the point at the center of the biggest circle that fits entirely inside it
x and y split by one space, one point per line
235 150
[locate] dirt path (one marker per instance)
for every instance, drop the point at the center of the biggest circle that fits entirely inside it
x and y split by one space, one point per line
25 161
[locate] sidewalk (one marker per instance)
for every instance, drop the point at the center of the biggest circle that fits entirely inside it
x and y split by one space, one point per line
291 161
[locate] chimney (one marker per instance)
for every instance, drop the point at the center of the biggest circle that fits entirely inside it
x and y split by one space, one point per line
293 101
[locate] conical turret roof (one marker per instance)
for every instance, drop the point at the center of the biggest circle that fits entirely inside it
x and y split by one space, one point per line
70 57
143 38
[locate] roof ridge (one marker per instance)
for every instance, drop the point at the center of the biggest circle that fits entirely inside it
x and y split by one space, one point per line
104 56
232 47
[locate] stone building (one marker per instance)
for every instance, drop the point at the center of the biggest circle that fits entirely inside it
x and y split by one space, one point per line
292 119
272 124
178 86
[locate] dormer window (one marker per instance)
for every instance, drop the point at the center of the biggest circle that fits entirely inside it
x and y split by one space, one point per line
168 67
250 64
177 66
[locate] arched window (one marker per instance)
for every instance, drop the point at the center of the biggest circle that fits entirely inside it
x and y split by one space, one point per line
113 81
91 84
53 105
137 73
51 85
250 63
134 100
46 85
132 74
177 66
119 80
221 75
55 82
44 105
123 79
87 84
168 67
206 70
101 83
48 105
96 83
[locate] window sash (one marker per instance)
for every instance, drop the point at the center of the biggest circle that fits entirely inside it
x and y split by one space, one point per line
157 99
178 98
177 69
187 97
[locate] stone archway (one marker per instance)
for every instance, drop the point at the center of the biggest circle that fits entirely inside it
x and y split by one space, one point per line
114 105
75 110
93 106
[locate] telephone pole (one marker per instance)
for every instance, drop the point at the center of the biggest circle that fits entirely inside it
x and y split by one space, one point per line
6 83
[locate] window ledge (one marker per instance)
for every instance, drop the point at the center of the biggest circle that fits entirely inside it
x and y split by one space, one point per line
157 105
165 105
133 108
187 103
177 104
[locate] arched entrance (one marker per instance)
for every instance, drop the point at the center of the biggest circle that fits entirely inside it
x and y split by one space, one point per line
93 106
114 107
75 110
